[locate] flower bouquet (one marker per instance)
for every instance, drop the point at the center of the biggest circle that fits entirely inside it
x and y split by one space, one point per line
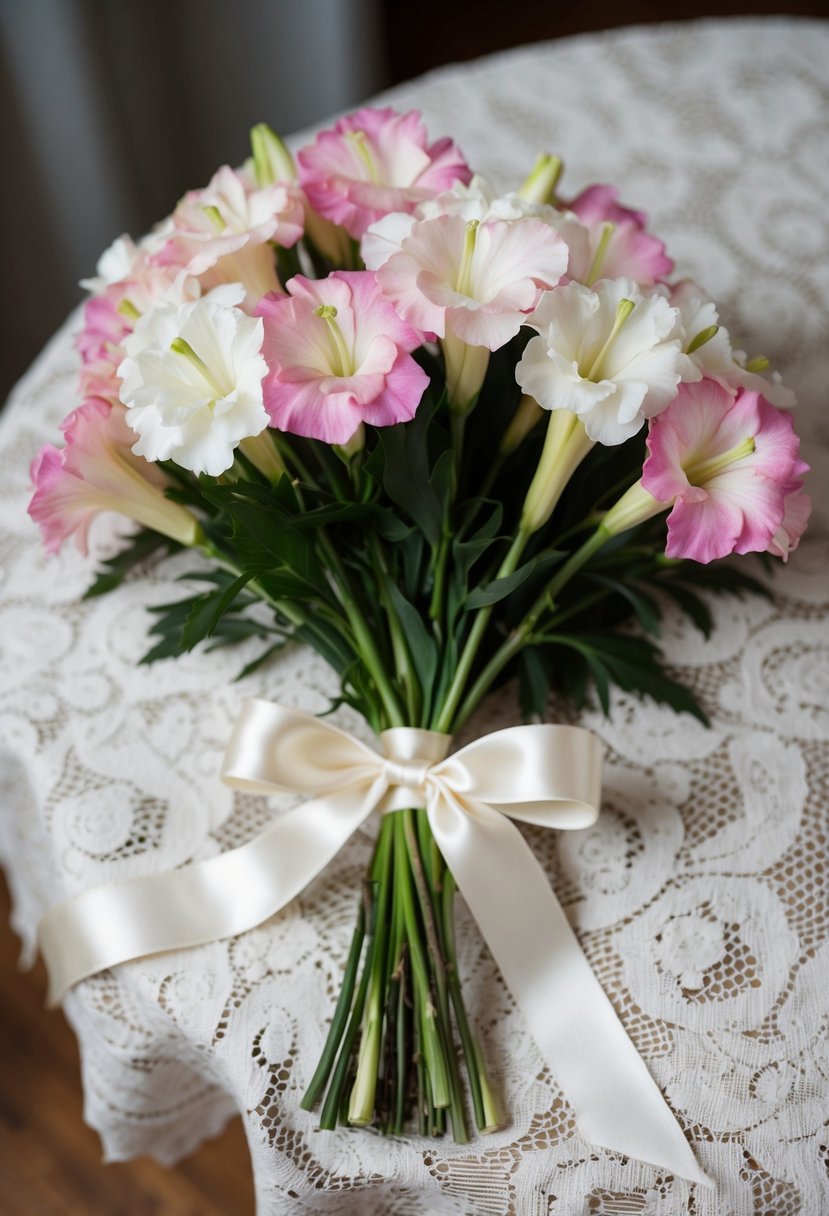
436 431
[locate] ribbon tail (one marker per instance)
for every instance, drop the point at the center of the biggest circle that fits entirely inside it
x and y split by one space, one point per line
616 1102
204 902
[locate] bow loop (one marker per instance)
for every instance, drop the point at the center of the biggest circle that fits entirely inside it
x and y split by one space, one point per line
547 775
275 750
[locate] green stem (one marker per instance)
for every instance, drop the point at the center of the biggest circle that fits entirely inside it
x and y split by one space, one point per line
361 1106
363 637
446 718
400 648
431 1046
331 1107
522 634
401 1054
570 568
469 1054
338 1022
435 955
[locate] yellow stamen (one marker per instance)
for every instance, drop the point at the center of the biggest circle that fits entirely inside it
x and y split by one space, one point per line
704 470
624 310
215 216
180 346
127 309
599 256
758 364
358 142
704 335
342 363
465 271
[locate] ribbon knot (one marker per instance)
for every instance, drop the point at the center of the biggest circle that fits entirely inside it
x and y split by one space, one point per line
410 774
547 775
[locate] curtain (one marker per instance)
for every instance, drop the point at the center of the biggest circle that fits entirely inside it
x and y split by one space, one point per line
110 109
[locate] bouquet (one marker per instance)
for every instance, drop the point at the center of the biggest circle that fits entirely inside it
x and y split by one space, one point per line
438 432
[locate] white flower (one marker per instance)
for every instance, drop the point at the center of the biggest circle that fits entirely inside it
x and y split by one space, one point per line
192 382
480 201
708 344
610 355
114 264
477 201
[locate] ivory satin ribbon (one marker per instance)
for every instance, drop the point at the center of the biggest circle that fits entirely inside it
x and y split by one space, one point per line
546 775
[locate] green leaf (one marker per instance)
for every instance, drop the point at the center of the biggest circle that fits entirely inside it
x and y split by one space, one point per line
533 682
391 527
205 614
691 605
406 472
644 605
420 642
724 579
328 644
467 550
500 588
411 556
233 629
254 664
115 570
633 664
442 476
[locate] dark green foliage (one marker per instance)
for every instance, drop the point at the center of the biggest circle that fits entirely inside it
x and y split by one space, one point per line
413 546
142 546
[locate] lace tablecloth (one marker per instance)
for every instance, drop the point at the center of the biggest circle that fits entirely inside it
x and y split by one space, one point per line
700 897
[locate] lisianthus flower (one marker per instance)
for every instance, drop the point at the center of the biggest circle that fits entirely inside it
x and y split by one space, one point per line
708 344
192 382
473 202
454 269
221 232
797 507
96 471
338 356
609 355
474 280
479 200
727 464
609 241
470 283
111 315
374 162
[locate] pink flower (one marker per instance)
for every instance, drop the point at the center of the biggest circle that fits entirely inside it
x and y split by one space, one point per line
110 316
104 326
337 356
374 162
727 464
797 508
610 241
222 231
96 471
476 281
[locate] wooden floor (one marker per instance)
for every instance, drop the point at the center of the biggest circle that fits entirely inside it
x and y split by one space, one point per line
50 1161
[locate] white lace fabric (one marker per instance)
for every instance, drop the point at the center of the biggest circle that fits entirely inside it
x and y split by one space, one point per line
700 897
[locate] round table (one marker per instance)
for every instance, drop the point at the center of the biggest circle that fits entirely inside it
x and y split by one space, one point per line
700 898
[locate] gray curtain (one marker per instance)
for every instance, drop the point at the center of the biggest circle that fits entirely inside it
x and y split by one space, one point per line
110 109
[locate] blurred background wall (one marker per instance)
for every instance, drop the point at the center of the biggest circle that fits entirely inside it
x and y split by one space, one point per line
110 109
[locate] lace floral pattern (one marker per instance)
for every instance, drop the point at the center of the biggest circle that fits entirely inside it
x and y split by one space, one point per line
700 897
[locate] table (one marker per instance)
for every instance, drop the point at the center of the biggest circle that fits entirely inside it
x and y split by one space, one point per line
700 897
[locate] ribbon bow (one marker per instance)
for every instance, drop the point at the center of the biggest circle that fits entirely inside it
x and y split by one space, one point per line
545 775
